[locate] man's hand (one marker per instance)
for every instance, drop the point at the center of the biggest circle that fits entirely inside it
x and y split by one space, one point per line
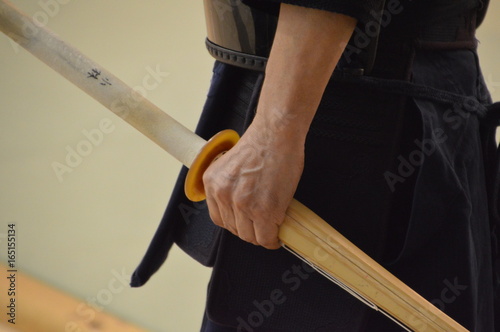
250 187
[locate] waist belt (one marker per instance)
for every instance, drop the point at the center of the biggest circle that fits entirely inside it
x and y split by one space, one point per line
242 36
236 58
239 34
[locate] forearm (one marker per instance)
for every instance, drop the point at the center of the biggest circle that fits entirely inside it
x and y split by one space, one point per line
306 49
249 188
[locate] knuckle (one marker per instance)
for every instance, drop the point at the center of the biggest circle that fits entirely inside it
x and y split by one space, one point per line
241 203
207 177
216 220
268 244
247 238
214 215
232 230
267 241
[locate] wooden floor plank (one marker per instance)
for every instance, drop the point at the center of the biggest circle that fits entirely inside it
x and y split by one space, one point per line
41 308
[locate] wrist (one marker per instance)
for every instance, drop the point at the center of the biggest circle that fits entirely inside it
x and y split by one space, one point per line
279 130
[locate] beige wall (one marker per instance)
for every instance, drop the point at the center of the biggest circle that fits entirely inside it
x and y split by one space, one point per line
489 49
78 231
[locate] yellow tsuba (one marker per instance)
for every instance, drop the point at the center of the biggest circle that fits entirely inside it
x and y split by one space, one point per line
220 143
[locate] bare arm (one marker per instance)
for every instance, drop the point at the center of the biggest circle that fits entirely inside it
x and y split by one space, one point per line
250 187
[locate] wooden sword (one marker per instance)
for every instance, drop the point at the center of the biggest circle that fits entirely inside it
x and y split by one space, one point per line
303 232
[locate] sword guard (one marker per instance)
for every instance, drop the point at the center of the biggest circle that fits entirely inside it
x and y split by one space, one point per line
216 146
